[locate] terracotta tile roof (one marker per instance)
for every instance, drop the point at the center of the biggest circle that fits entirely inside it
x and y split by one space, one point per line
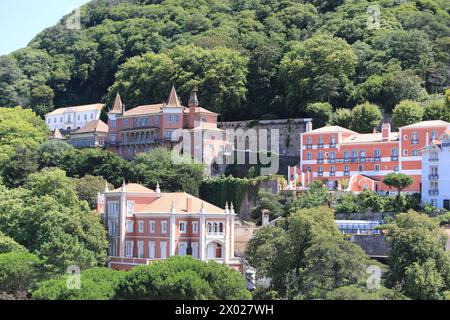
203 110
118 105
174 101
143 110
57 135
369 137
96 106
93 126
331 129
135 188
431 123
179 200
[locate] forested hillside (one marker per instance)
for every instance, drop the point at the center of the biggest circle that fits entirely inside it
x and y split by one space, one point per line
247 58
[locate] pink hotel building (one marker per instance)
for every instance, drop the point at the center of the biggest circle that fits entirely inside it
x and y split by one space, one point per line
333 154
145 226
147 127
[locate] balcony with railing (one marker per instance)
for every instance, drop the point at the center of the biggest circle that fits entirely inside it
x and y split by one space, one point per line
346 173
394 158
332 173
320 145
433 159
309 146
320 161
433 177
415 141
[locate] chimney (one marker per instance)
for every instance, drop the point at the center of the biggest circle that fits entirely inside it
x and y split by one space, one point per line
309 127
265 217
386 131
189 204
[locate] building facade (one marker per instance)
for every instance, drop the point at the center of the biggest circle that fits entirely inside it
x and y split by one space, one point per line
335 155
147 127
145 226
436 172
73 118
92 135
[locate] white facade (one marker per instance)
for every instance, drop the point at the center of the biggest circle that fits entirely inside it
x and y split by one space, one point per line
436 173
73 118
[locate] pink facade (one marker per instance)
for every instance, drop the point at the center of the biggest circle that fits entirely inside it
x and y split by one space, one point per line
335 154
146 226
147 127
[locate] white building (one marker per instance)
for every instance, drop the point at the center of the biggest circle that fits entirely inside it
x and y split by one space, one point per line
436 172
73 118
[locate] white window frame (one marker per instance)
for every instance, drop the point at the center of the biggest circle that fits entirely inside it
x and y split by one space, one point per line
163 253
130 207
152 246
195 227
152 226
141 226
183 223
164 227
141 247
129 249
130 226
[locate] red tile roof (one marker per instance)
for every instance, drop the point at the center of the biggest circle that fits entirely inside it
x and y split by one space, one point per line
94 126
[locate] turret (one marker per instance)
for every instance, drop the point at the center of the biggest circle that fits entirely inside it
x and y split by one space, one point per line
193 104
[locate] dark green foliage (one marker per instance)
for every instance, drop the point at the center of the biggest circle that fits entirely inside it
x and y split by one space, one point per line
157 167
96 284
321 112
89 187
418 261
48 219
268 201
52 153
96 162
8 245
183 278
308 258
19 271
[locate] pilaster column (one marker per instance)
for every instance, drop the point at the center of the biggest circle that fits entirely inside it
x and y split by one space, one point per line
122 221
202 244
227 240
172 235
232 235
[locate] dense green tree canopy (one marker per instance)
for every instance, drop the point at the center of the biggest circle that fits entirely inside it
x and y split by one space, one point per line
48 219
244 56
407 112
96 284
20 129
183 278
417 259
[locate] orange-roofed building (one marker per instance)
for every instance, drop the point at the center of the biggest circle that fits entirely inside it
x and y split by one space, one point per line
333 154
147 127
147 225
92 135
